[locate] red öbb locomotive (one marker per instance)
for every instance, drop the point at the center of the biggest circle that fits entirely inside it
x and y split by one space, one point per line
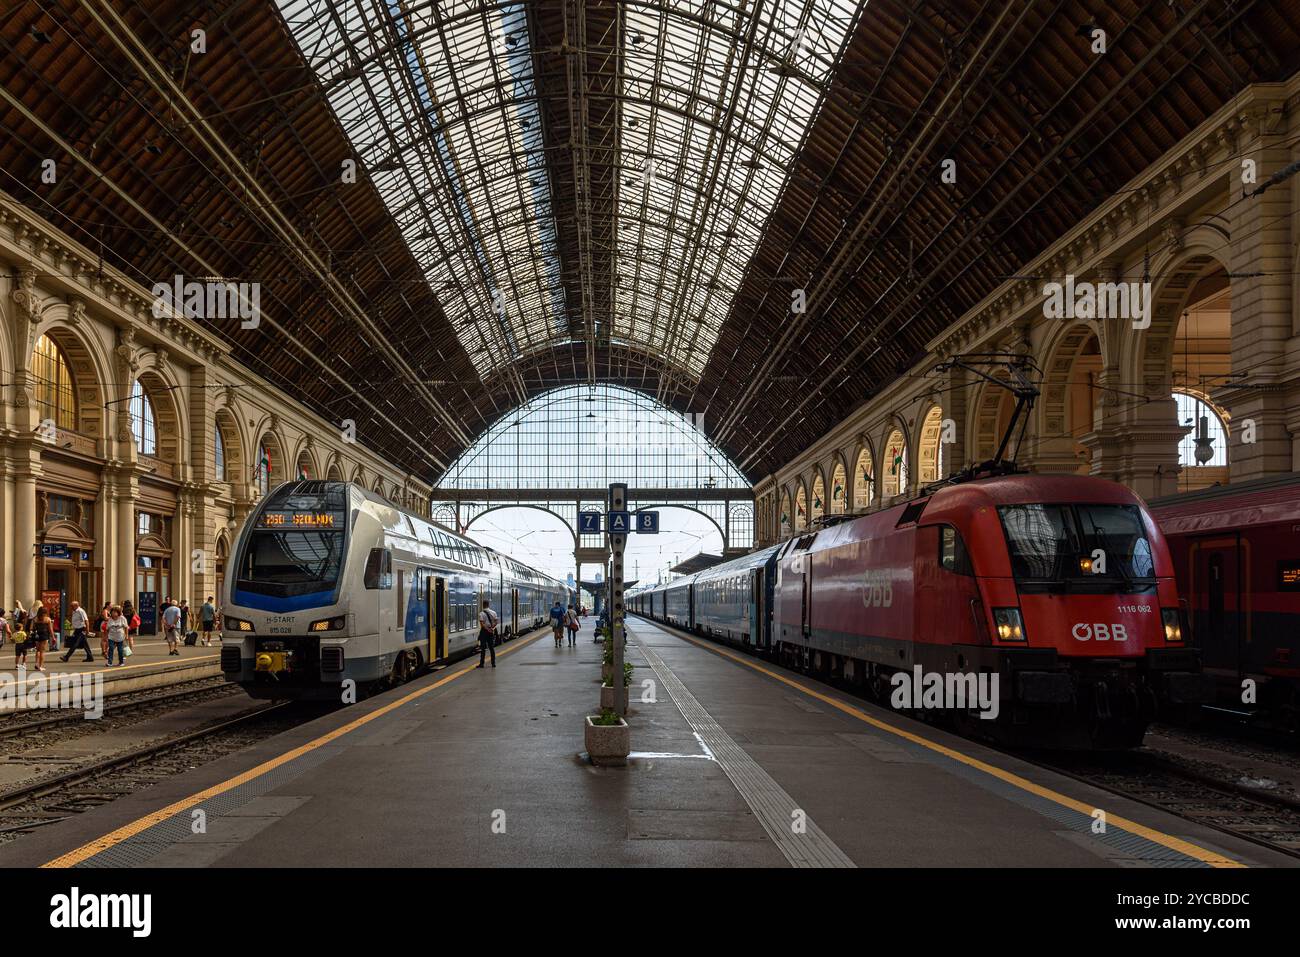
1060 586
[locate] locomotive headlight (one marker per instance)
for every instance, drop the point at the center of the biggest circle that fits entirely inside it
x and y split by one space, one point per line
1173 628
229 623
329 624
1009 624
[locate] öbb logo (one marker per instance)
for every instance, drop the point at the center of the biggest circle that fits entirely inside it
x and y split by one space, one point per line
1099 632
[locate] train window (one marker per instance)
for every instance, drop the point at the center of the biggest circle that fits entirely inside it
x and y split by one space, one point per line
379 569
952 551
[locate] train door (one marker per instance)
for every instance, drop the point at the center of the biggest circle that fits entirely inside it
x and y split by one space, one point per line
756 607
514 611
1216 611
437 618
947 593
690 606
805 595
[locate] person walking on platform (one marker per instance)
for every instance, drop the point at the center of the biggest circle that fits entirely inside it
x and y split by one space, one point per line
557 622
207 620
571 622
487 633
100 628
132 624
118 627
80 626
171 628
42 632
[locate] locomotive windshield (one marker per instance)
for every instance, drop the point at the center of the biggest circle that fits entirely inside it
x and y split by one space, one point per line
1078 547
296 544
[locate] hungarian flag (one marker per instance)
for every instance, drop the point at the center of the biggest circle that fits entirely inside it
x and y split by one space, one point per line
302 472
837 492
264 466
898 460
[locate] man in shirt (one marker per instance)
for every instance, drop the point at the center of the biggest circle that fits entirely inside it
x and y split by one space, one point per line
208 619
172 628
487 633
80 625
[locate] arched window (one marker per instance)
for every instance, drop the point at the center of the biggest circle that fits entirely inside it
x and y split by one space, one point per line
863 484
895 463
143 421
263 469
837 489
785 515
1191 410
800 508
930 452
818 498
218 454
55 396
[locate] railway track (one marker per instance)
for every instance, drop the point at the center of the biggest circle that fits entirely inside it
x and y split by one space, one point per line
131 703
55 797
1269 820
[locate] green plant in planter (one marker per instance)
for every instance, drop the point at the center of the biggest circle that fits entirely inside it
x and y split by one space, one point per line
607 718
608 655
627 673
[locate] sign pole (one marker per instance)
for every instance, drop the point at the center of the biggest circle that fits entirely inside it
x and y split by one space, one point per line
617 540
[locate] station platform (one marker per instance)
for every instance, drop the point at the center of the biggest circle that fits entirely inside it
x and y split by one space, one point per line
148 667
735 763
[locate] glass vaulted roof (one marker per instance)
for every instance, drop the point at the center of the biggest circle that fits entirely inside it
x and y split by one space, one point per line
440 101
589 436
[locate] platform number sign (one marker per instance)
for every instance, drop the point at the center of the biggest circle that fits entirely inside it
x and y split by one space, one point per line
619 522
647 523
589 523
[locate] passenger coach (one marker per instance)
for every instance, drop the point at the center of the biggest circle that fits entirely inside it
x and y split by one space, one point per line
332 583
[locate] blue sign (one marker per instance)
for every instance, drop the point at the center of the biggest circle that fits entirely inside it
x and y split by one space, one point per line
55 551
647 522
147 609
569 579
589 523
619 522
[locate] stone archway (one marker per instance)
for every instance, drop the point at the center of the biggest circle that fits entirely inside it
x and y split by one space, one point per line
839 487
864 478
89 376
894 465
817 498
929 447
1071 407
993 411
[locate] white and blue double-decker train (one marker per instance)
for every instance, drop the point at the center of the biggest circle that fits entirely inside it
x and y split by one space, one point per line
331 583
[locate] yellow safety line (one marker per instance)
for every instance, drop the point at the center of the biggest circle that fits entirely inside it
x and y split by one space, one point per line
1173 843
126 831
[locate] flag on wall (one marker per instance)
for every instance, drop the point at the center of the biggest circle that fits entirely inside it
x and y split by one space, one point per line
264 464
896 455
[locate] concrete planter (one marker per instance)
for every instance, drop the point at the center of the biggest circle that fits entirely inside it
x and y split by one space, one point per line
607 697
608 745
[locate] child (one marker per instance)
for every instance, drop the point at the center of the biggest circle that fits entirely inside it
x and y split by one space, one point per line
20 647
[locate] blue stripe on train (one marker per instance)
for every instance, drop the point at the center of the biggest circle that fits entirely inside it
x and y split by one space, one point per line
248 599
